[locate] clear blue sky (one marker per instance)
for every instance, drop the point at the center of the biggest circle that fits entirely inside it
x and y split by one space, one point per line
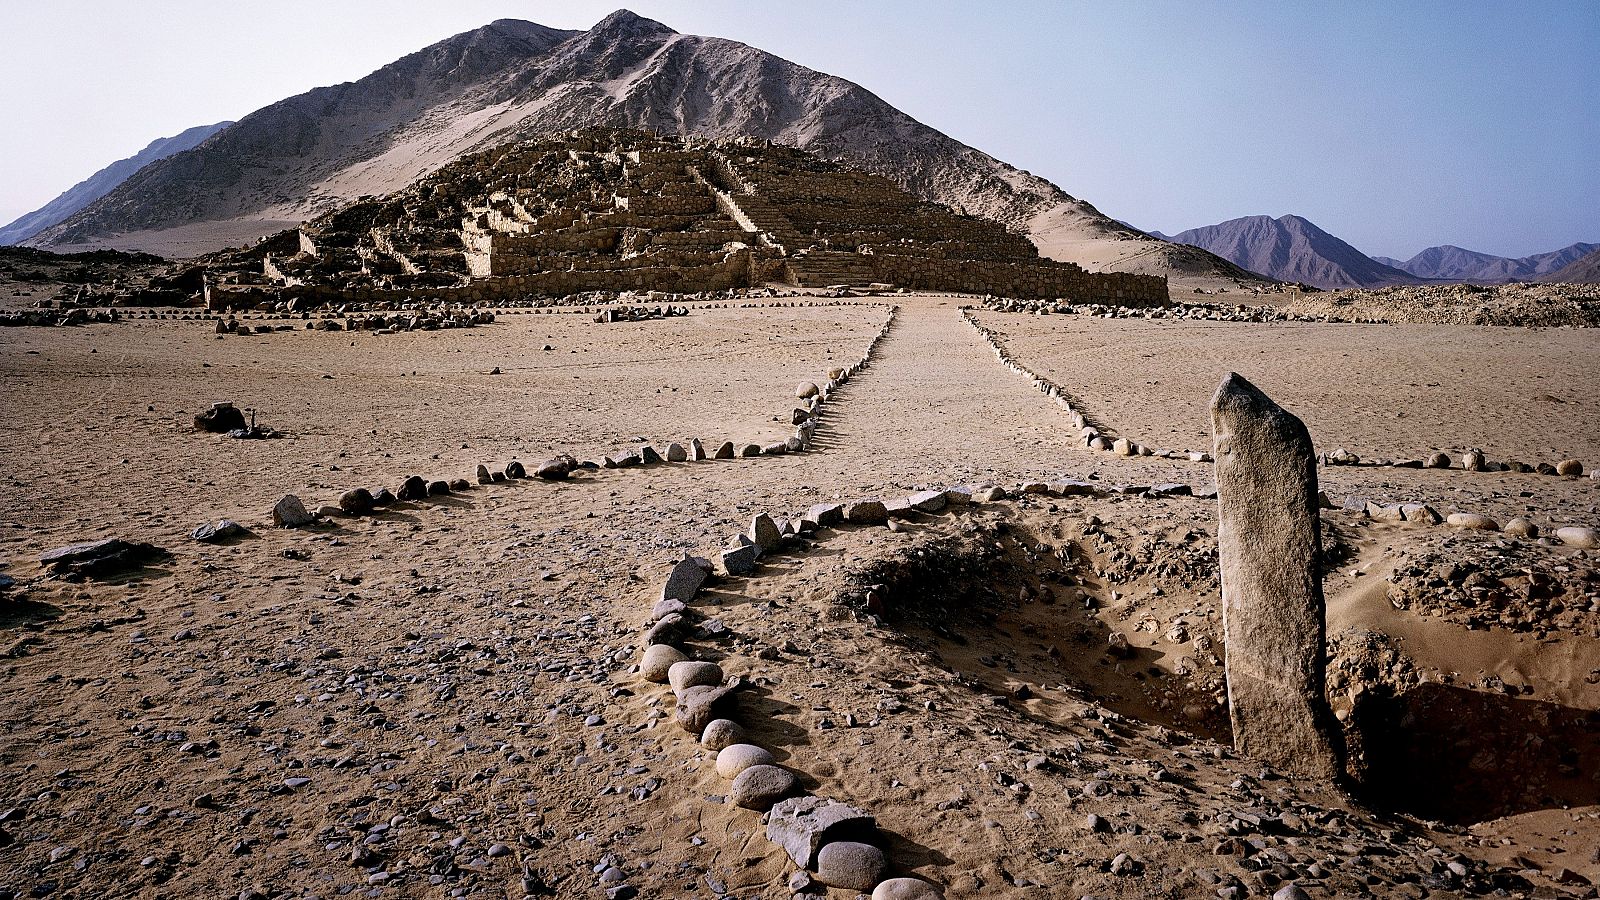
1393 125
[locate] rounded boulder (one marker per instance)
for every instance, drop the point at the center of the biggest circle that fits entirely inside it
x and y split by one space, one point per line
735 758
1472 522
851 865
658 660
693 673
721 733
1578 536
758 787
1522 528
906 889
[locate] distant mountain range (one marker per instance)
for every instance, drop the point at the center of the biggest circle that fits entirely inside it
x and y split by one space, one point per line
512 79
103 182
1455 264
1291 248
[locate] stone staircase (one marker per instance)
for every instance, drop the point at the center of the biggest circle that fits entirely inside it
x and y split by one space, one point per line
824 268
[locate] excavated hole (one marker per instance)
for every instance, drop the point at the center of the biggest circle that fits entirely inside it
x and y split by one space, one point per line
1461 756
1013 614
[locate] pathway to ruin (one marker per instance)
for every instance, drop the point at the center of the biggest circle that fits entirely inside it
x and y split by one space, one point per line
936 391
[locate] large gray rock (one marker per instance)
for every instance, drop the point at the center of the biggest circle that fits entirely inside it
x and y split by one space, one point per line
698 706
1273 615
685 580
867 512
290 513
801 825
764 533
693 673
556 468
740 560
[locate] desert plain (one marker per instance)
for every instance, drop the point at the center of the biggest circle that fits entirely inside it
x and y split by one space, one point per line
443 696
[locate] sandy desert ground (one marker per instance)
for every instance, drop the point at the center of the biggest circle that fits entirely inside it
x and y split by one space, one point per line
441 699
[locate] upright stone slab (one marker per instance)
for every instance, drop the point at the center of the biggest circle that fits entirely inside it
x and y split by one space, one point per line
1273 615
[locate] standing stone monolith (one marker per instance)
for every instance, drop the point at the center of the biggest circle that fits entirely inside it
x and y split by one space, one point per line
1273 615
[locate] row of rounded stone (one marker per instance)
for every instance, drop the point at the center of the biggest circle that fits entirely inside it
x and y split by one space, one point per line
811 396
829 841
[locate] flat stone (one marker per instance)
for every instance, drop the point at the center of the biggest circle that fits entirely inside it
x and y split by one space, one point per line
664 608
825 514
223 530
806 390
906 889
851 865
802 825
290 513
928 501
693 673
1074 488
658 660
866 512
735 758
1273 614
759 787
668 629
1472 522
720 733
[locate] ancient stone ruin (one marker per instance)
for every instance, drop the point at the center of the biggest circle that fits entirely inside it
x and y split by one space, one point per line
1269 547
614 210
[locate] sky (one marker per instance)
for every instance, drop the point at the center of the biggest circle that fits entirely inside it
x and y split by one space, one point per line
1396 126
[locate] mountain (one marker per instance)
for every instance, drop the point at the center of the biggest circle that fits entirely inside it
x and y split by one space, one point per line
1450 263
102 182
511 79
1290 248
1584 270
